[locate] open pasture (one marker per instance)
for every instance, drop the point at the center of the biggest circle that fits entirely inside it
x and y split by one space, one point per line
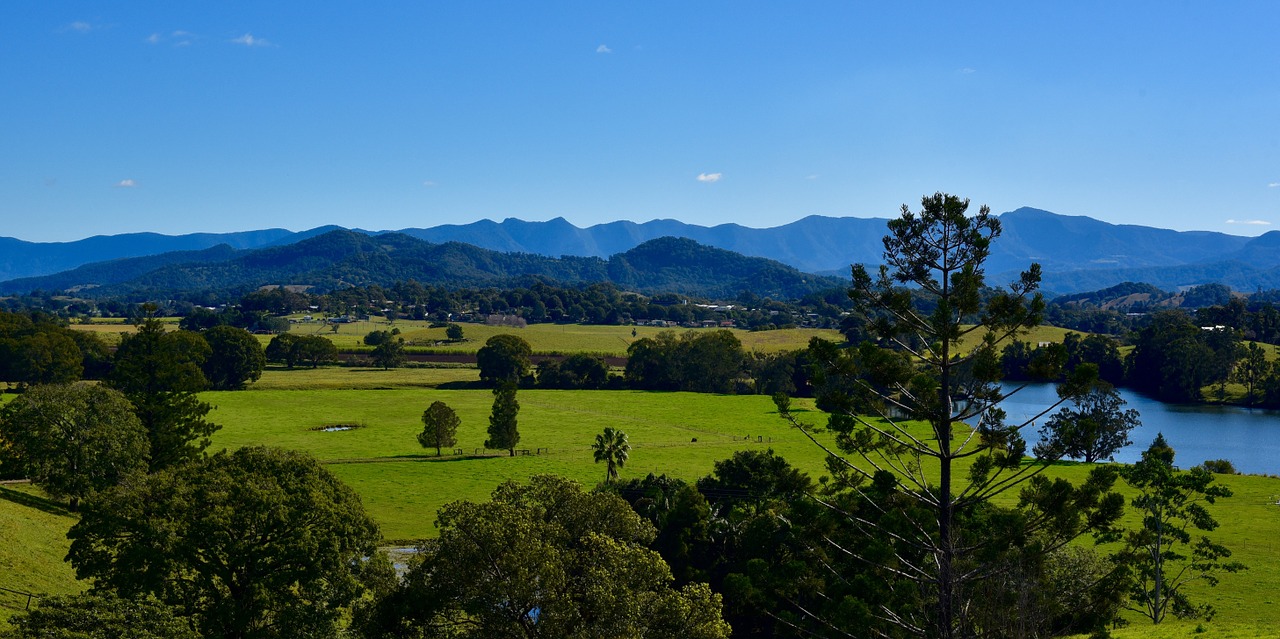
403 484
546 338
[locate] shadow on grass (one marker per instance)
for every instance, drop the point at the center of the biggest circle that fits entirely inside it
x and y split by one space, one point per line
463 386
391 459
31 501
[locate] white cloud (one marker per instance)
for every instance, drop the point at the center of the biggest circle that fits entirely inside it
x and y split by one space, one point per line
710 177
603 49
811 177
249 40
80 26
967 70
1251 222
1273 185
126 183
428 183
154 38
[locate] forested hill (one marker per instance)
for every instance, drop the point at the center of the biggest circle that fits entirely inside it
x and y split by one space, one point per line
343 258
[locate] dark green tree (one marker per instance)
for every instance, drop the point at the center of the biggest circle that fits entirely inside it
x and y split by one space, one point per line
75 440
453 332
315 350
97 616
503 433
941 542
235 358
1094 428
1251 370
1161 555
439 427
389 354
160 374
612 448
258 543
557 562
503 358
282 349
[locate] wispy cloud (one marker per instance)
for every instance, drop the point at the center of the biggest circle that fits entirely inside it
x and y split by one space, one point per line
1250 222
966 70
127 183
178 38
710 177
429 183
811 177
603 49
249 40
1273 185
83 26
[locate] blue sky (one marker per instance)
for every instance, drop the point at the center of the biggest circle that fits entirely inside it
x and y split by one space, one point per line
180 117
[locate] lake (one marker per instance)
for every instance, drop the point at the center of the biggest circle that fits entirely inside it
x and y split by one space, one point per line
1249 438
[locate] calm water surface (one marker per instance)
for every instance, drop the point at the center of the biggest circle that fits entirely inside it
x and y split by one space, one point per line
1249 438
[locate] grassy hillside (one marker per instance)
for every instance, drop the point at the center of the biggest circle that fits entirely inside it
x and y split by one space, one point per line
34 534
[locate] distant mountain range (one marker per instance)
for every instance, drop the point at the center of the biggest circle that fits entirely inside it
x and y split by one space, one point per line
341 258
1077 253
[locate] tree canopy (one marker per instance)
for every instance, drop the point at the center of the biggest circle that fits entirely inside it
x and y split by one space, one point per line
235 358
543 559
439 427
159 372
76 439
259 543
503 358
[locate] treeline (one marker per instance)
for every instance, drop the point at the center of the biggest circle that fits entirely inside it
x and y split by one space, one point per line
1175 357
693 361
535 300
39 349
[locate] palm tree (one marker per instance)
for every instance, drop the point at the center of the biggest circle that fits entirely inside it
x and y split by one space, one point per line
612 448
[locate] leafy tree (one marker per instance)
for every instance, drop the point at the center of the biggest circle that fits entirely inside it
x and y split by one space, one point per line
160 374
48 358
1172 505
235 358
557 562
944 530
375 338
315 350
502 422
260 542
577 371
440 427
97 616
503 358
74 440
1251 370
1095 428
389 354
697 361
453 332
281 349
613 449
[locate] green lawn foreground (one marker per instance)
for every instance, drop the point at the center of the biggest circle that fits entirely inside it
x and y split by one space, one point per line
34 532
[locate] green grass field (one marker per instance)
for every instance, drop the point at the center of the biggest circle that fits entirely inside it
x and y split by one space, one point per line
33 531
546 338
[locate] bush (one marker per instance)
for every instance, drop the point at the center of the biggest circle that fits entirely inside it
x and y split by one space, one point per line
1219 467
